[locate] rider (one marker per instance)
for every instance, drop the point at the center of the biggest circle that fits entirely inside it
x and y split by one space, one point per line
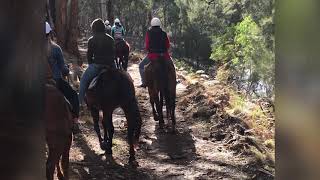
59 69
117 31
108 27
156 43
100 54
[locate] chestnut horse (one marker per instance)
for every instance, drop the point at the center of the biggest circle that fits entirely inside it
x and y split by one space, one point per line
160 78
122 54
114 89
58 132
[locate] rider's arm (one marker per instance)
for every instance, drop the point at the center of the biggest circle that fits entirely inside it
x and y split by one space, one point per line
60 61
89 52
147 42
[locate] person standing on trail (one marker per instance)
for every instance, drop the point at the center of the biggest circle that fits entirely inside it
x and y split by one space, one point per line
156 43
117 31
108 27
100 54
59 70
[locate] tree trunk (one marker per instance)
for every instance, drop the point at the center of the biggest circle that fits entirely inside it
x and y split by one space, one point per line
73 29
61 22
22 49
103 9
110 11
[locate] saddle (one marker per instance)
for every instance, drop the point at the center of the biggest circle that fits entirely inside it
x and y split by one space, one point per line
94 81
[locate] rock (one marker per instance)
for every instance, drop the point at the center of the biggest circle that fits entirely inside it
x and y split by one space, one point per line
211 83
200 72
204 76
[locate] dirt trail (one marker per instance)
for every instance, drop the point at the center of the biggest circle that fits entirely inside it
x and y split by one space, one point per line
185 155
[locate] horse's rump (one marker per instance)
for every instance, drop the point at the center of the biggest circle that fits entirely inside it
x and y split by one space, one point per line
122 47
160 74
112 85
57 113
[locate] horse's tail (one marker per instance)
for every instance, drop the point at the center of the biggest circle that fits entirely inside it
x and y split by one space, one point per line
137 129
134 121
163 78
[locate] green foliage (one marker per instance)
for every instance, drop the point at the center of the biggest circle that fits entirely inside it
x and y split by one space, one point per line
239 33
243 46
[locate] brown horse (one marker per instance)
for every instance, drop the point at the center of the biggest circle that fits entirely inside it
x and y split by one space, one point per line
122 54
58 132
161 82
114 89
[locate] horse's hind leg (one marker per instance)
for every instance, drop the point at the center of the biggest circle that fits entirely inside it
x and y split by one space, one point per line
65 158
95 117
108 129
52 161
121 62
131 116
152 102
173 117
59 173
159 105
125 61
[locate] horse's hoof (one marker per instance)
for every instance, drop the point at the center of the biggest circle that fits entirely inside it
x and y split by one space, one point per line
103 145
108 151
60 176
161 126
133 164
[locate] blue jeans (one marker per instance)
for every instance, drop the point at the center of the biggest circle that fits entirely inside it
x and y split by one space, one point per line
91 72
143 63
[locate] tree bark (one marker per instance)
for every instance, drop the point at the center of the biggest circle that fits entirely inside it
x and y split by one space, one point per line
23 53
73 29
61 22
103 7
110 11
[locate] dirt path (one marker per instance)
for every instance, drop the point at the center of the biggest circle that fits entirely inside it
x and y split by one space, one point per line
185 155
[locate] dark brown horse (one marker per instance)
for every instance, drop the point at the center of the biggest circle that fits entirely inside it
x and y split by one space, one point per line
114 89
161 82
58 132
122 54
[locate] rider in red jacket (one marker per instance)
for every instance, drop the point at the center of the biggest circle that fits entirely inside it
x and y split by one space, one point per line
157 43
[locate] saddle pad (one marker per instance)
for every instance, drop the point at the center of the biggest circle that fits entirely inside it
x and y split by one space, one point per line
95 80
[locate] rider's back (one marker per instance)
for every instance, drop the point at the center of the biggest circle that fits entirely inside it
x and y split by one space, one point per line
101 49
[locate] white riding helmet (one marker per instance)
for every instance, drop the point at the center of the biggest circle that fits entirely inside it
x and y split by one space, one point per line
155 22
117 20
106 22
48 28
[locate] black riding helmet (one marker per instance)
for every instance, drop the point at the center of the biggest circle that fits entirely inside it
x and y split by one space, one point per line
98 26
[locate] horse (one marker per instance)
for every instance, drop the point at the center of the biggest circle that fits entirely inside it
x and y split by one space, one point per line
122 54
58 132
114 89
160 78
